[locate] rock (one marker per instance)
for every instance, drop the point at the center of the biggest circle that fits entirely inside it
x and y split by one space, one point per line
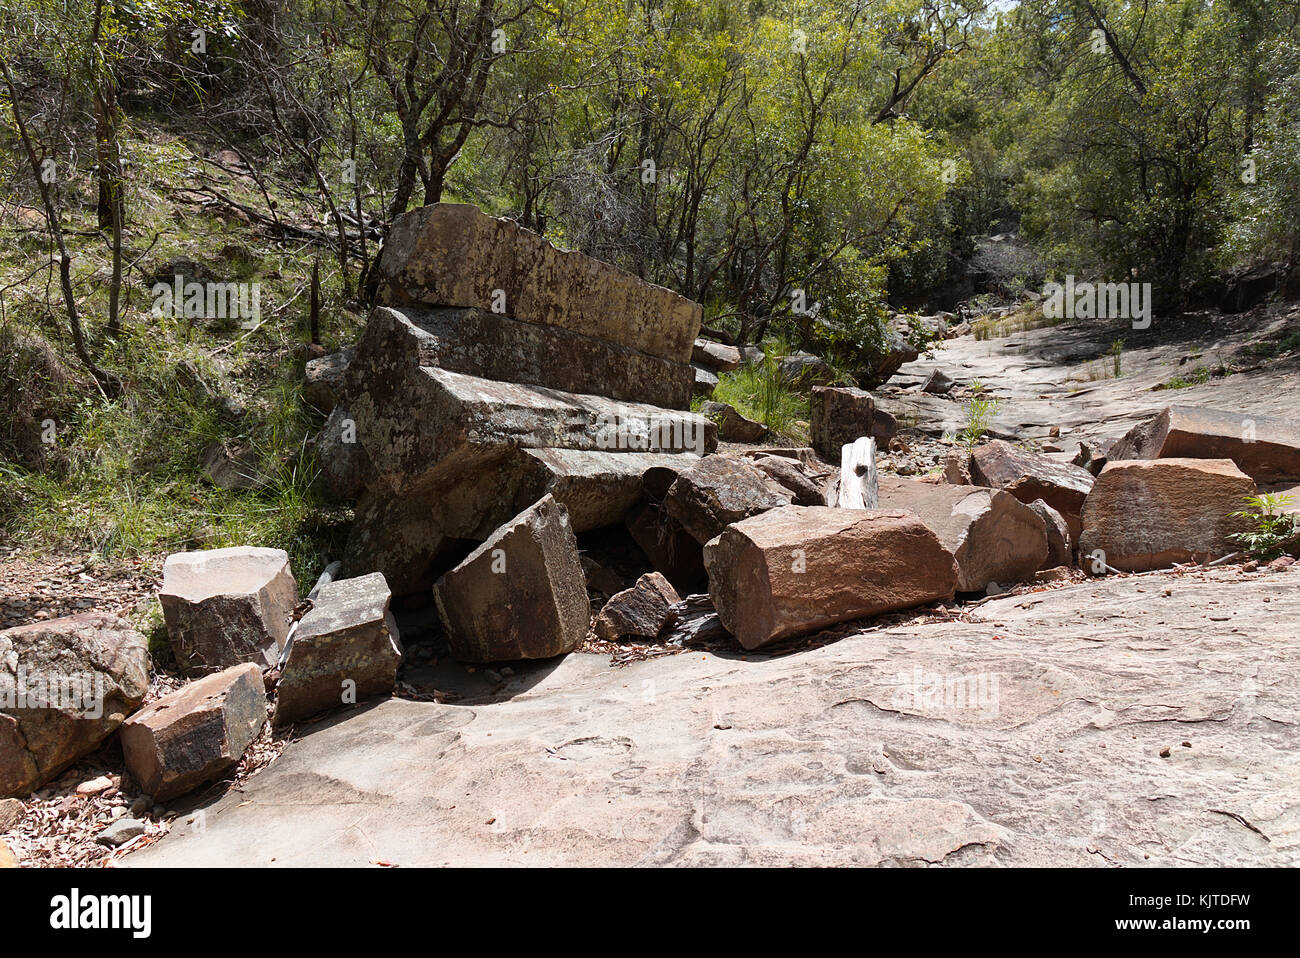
715 356
1085 458
798 569
1265 448
121 832
705 382
896 351
640 612
717 491
804 489
956 469
231 466
425 428
195 734
11 813
323 379
227 606
521 594
840 415
732 426
1029 476
938 383
670 548
7 858
1150 513
994 537
94 786
805 369
1060 550
478 342
401 537
344 464
347 648
65 685
450 254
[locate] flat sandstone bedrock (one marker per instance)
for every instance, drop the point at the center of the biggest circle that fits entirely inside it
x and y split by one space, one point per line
454 254
829 756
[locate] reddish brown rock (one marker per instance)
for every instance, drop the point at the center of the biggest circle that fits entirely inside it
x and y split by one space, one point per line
521 594
65 685
797 569
1150 513
195 734
732 426
1029 476
717 491
640 612
994 537
1265 448
1060 548
840 415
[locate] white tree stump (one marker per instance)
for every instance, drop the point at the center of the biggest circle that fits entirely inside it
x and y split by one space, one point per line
859 487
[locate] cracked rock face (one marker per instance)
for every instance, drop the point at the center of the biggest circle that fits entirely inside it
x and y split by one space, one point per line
195 734
65 685
224 607
1150 513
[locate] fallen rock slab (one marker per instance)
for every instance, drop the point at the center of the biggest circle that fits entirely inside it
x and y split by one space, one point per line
797 569
521 594
1150 513
196 734
346 649
839 416
994 537
65 685
717 491
1030 475
805 488
641 612
732 426
227 606
1265 448
450 254
718 357
1060 547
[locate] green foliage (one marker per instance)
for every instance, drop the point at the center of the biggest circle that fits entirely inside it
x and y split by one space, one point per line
980 413
1273 526
759 392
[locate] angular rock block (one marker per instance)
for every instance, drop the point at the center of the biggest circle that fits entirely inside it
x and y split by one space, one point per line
715 356
719 490
343 461
1029 476
1060 547
640 612
805 487
1150 513
489 345
424 427
732 426
196 734
227 606
347 648
401 537
323 379
994 537
65 685
1265 448
705 381
840 415
521 594
449 254
798 569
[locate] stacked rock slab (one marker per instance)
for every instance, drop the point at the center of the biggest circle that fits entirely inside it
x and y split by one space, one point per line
1029 476
800 568
1264 448
501 369
65 685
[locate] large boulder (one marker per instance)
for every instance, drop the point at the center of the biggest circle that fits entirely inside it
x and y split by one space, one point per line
894 352
65 685
839 416
1263 447
640 612
805 369
345 649
798 569
1150 513
344 464
490 345
227 606
705 381
805 487
195 734
719 490
426 428
450 254
521 594
994 537
1030 475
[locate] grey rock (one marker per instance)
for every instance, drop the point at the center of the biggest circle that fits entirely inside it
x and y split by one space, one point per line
121 832
324 377
641 612
715 356
717 491
732 426
1060 548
